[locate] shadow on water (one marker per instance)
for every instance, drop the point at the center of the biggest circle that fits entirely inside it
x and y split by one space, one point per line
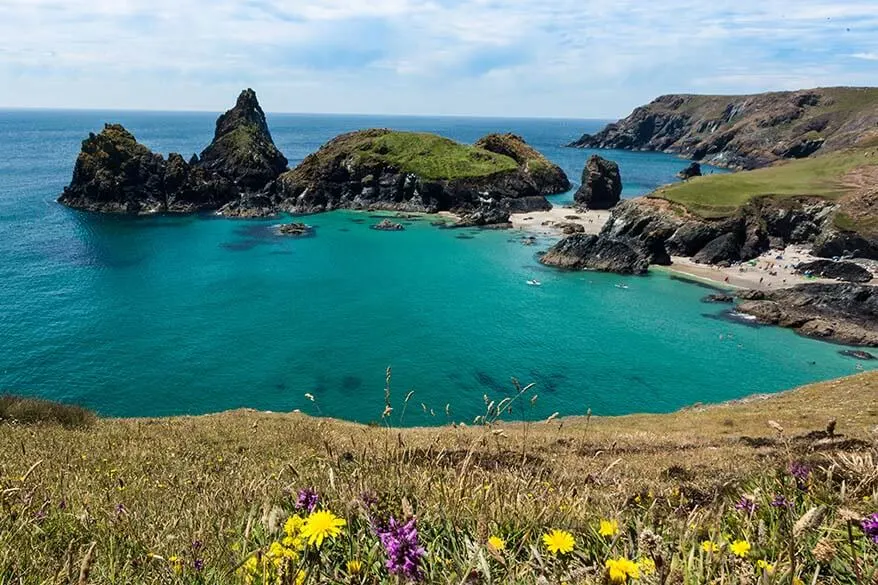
549 382
699 283
262 234
351 383
464 237
485 379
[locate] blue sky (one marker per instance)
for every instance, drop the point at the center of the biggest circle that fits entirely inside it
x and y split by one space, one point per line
564 58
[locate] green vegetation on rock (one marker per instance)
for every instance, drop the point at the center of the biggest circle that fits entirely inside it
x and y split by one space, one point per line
720 195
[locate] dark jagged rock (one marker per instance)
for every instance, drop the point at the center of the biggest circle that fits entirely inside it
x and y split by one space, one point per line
295 229
485 215
835 243
745 131
844 271
845 313
581 251
601 184
858 354
719 298
388 226
724 250
693 170
116 174
569 228
403 171
549 177
242 149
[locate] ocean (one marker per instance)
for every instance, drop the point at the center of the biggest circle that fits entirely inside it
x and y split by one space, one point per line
188 315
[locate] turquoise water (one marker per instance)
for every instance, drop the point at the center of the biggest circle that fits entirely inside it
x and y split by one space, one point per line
169 315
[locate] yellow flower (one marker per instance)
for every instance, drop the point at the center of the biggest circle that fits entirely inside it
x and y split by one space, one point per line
709 546
354 567
621 569
293 525
497 543
559 542
300 577
646 566
609 528
740 548
765 566
321 525
797 581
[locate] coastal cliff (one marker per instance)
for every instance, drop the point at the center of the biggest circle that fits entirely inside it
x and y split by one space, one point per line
746 131
243 174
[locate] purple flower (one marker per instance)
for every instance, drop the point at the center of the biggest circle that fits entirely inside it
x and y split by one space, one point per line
120 510
800 473
870 527
404 553
307 500
746 505
780 501
197 545
369 499
198 564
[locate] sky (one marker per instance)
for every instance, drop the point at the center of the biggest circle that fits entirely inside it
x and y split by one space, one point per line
529 58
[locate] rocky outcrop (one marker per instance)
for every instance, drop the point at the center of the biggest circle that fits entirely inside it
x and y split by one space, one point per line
844 271
550 179
845 313
745 131
661 229
385 225
836 243
116 174
581 252
242 149
693 170
243 174
383 169
295 229
601 184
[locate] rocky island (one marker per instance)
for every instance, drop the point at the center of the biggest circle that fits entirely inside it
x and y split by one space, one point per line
243 174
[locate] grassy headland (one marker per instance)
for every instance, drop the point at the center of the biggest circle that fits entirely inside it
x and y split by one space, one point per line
719 494
721 195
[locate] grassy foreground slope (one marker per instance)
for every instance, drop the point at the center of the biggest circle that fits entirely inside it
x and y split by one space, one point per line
717 494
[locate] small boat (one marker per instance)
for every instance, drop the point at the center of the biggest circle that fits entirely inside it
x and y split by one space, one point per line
622 286
534 282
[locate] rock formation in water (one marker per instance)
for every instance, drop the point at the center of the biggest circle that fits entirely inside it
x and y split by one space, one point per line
590 252
385 225
845 313
844 271
384 169
549 177
243 174
601 184
746 131
116 174
242 149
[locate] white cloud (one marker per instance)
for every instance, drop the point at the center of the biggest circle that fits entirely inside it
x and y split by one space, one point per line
504 57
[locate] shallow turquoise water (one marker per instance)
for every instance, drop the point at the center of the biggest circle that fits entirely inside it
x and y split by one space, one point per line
194 314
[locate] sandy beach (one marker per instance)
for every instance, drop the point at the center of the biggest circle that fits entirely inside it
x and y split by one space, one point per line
546 222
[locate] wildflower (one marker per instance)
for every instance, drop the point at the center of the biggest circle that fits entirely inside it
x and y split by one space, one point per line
497 543
646 566
176 563
307 500
404 552
321 525
354 567
559 542
870 527
797 581
746 505
801 473
609 528
621 569
740 548
293 525
709 546
198 564
765 566
780 501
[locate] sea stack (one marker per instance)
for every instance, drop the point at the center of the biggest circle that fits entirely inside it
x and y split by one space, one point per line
242 149
601 184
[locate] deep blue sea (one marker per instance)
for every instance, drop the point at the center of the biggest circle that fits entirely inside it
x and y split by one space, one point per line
169 315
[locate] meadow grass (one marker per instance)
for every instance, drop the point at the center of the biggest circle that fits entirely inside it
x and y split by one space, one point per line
750 492
721 195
